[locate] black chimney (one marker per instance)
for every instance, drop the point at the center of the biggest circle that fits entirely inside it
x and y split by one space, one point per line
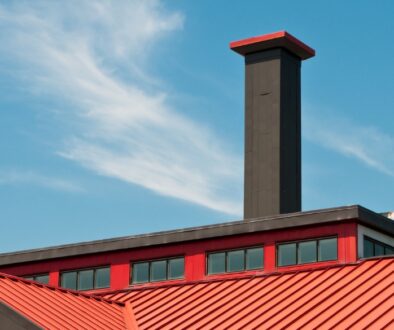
272 123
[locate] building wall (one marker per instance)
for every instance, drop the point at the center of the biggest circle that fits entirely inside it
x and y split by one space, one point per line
195 254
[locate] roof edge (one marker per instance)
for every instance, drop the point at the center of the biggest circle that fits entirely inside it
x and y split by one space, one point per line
276 222
249 276
62 290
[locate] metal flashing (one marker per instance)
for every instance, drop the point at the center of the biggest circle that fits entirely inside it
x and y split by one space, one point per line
281 39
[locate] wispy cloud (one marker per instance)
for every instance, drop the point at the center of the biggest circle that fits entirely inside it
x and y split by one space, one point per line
14 177
94 56
367 144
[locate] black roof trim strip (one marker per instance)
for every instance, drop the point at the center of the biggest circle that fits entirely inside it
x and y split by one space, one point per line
281 221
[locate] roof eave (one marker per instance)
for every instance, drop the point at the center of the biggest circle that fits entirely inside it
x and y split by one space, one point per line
277 222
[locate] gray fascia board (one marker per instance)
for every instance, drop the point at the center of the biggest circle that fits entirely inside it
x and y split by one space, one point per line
278 222
376 220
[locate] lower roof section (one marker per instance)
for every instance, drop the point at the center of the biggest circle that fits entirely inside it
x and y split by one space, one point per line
352 296
34 306
277 222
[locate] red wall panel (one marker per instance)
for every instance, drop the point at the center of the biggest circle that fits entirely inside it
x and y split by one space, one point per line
195 253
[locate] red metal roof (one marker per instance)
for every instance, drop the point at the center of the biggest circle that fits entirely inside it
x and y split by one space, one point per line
54 308
355 296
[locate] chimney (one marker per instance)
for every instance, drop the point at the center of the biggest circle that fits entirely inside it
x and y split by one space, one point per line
272 122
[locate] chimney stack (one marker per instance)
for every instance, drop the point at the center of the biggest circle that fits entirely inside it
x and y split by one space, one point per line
272 123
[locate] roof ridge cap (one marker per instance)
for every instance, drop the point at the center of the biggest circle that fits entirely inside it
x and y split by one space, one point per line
244 277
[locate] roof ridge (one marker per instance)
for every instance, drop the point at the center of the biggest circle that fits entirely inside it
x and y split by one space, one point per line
240 277
129 316
62 290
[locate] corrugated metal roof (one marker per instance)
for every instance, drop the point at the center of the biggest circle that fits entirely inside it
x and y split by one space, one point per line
54 308
355 296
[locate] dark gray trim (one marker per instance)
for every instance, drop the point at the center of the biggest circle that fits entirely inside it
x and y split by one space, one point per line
277 222
10 319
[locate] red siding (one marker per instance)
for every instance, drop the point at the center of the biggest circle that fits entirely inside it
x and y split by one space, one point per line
195 252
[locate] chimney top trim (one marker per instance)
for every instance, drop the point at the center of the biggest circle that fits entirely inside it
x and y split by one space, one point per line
281 39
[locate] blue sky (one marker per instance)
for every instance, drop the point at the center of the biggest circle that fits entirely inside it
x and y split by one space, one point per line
126 117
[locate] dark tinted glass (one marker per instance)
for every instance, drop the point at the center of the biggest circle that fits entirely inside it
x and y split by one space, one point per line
140 272
31 278
176 268
307 252
69 280
44 279
254 258
388 250
287 254
328 249
216 263
368 248
379 249
235 261
102 277
85 279
158 270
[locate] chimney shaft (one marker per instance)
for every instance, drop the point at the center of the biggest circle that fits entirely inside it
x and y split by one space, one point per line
272 123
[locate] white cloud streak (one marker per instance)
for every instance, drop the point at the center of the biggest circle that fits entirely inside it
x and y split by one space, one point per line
14 177
94 56
366 144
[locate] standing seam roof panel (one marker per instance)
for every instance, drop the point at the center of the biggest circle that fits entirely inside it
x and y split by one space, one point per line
54 308
356 295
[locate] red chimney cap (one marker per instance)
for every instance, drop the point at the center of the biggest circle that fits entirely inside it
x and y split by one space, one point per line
281 39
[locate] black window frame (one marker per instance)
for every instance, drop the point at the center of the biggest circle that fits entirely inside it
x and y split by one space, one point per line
226 260
149 262
84 269
33 277
297 250
376 242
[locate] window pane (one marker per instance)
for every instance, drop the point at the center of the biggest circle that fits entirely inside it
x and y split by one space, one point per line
85 279
368 248
287 254
158 270
29 278
140 272
69 280
388 250
307 252
44 279
235 260
102 278
379 249
328 249
216 263
254 258
176 268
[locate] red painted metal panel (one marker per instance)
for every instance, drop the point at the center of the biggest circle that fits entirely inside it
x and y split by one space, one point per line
195 254
120 274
